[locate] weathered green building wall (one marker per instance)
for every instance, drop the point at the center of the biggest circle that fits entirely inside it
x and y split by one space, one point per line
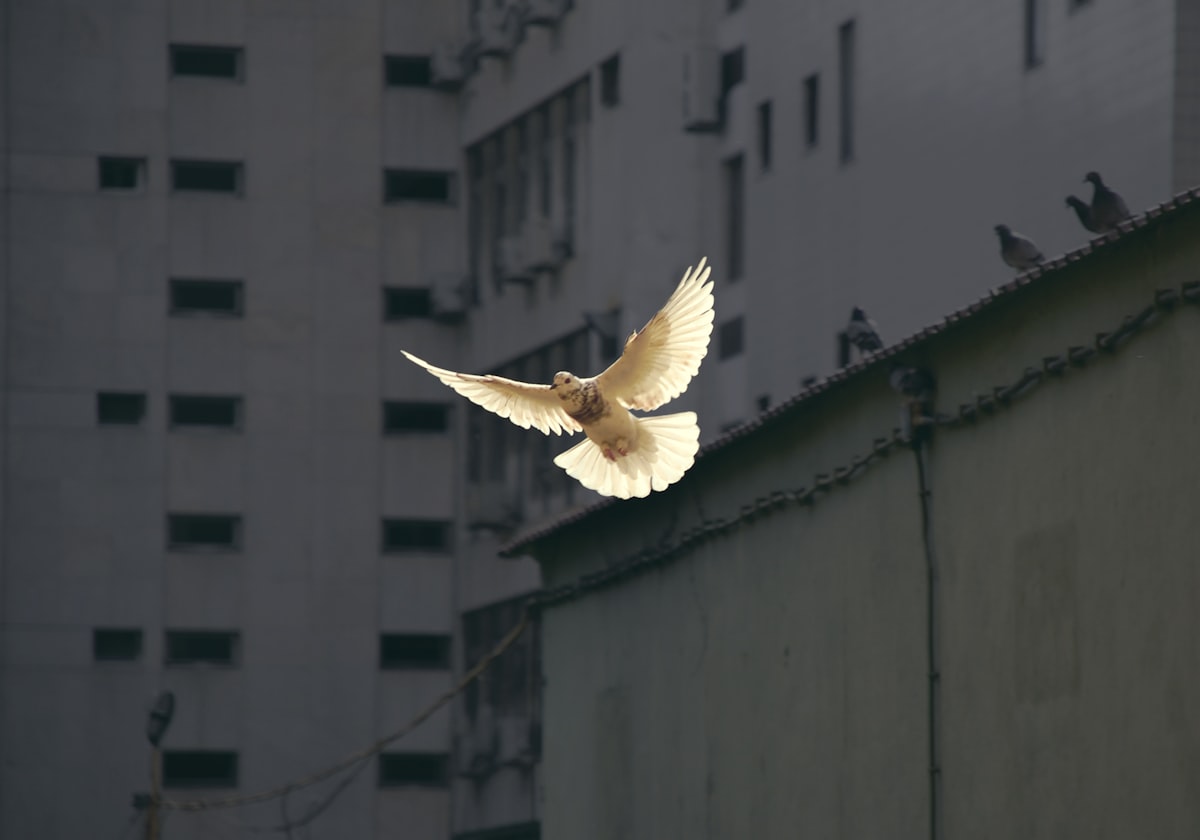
770 679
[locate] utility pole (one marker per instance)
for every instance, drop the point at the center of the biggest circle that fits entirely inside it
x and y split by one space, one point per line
156 726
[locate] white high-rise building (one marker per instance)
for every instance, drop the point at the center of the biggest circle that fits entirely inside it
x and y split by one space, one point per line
222 220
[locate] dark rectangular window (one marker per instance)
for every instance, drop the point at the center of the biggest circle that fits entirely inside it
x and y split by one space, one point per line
209 176
414 769
610 81
735 210
1035 44
416 535
733 69
189 647
402 417
812 110
570 116
206 61
206 297
121 173
401 303
199 769
846 61
205 412
764 135
475 193
414 651
731 339
522 172
545 162
407 71
499 206
418 185
116 645
204 530
120 409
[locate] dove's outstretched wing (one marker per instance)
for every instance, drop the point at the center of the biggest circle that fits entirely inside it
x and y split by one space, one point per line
661 359
527 405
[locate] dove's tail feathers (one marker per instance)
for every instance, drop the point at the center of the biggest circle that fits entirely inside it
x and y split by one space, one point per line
666 448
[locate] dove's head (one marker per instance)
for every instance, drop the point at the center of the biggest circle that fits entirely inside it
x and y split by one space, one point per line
565 384
1093 178
1004 231
856 314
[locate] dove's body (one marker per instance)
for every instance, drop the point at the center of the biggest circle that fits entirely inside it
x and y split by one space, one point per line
610 427
623 455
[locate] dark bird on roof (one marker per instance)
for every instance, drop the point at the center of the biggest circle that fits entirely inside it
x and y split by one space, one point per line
862 332
1108 208
1017 250
1084 211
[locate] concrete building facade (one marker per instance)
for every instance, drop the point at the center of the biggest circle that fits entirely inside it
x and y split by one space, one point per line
220 476
222 219
813 619
822 155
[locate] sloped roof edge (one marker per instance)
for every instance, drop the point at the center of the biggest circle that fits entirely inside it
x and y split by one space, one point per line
1148 218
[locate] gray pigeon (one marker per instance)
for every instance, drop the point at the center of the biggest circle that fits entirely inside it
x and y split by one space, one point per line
1084 211
1108 208
1016 250
862 332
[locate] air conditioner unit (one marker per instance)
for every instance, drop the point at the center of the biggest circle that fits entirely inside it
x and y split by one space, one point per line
511 262
448 293
499 30
702 89
537 245
448 66
544 12
492 504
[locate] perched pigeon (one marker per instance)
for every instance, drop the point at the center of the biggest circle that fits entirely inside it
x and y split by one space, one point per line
862 332
1084 211
1016 250
623 455
1108 208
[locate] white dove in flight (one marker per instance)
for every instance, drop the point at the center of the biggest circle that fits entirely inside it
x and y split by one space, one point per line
623 455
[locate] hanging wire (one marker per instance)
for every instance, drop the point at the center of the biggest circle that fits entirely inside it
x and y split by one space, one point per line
360 757
1165 303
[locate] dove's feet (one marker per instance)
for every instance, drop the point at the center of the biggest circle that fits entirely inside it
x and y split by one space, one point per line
611 453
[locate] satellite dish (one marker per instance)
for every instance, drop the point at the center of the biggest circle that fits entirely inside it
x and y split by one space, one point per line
161 712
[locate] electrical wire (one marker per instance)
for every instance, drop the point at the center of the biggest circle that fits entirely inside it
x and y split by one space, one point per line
361 756
1166 302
